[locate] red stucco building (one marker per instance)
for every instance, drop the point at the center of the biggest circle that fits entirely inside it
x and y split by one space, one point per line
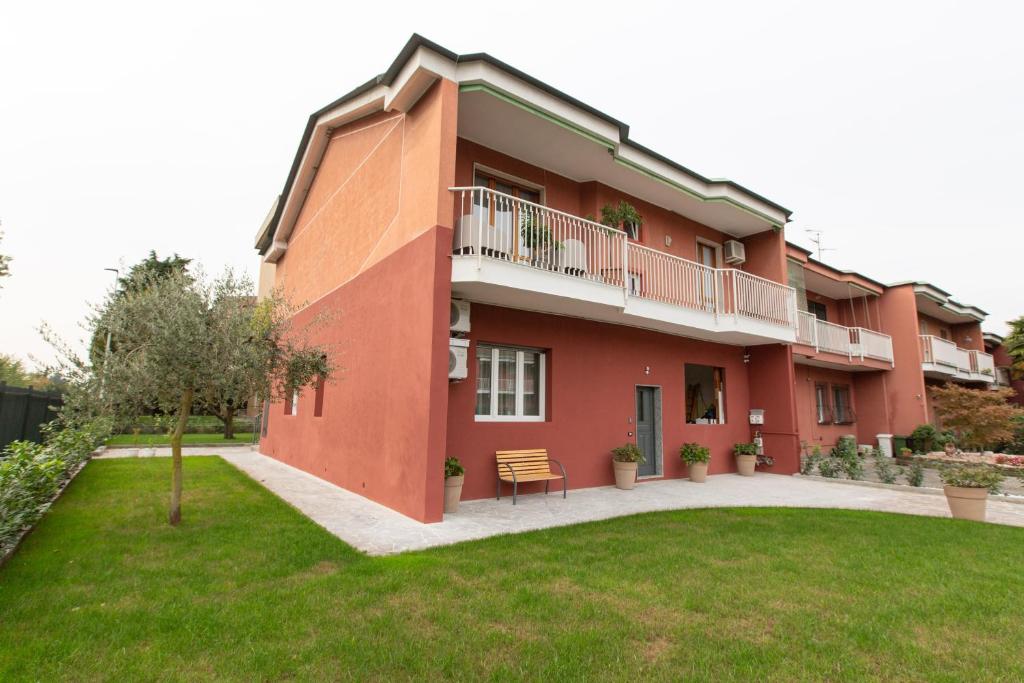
453 216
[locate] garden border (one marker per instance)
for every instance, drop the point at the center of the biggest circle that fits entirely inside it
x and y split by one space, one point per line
927 490
9 553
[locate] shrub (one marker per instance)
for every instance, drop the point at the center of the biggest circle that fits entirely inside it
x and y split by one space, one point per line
628 453
854 467
745 449
979 417
694 452
884 469
830 467
453 468
810 462
927 439
1010 460
914 474
906 452
32 473
972 477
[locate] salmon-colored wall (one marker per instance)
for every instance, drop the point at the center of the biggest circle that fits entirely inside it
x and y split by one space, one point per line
592 373
856 312
586 199
826 435
873 407
770 374
905 382
968 336
926 324
378 187
381 434
766 255
371 250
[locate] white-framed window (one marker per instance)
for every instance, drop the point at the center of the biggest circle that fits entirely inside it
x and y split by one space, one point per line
509 384
293 409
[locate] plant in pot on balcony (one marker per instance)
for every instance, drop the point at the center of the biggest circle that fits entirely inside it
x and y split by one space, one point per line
539 238
967 488
453 478
696 458
746 458
621 216
626 459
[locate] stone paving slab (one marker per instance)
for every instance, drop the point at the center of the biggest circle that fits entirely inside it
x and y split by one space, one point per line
378 530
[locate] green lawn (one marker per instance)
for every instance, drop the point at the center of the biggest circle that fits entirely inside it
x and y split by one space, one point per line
246 588
143 440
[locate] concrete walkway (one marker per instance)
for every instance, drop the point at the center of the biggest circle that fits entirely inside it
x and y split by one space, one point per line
378 530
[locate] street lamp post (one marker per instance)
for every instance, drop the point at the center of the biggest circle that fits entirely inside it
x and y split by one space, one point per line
106 350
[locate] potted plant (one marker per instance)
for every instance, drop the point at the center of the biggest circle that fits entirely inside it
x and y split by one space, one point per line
454 476
967 488
622 216
625 460
746 458
906 452
696 458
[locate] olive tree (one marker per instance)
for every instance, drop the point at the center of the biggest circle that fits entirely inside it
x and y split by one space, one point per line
183 340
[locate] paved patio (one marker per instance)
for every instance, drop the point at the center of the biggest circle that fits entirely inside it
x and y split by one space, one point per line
378 530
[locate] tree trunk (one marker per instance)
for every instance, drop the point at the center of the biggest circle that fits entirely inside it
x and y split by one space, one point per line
184 409
229 421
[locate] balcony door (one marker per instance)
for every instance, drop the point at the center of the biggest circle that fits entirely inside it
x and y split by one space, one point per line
506 215
707 255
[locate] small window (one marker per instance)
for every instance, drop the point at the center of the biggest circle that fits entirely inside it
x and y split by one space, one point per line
944 333
509 384
841 404
822 406
292 407
318 398
922 326
705 394
632 230
818 309
636 284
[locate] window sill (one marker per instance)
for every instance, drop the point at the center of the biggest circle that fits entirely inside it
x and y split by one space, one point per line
506 418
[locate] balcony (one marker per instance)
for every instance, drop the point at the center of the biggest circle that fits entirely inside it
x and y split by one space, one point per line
942 359
853 342
515 253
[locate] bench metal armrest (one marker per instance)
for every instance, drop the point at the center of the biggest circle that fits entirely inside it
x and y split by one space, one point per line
510 469
559 466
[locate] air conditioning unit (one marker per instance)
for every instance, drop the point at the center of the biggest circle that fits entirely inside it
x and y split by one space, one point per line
458 353
459 317
735 252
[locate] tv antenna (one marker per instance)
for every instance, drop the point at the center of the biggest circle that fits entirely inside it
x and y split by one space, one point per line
818 241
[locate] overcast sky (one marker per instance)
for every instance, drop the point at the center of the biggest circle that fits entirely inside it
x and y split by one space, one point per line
895 127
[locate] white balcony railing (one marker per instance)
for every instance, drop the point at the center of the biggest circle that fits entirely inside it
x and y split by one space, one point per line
871 344
494 225
945 358
983 364
848 341
938 351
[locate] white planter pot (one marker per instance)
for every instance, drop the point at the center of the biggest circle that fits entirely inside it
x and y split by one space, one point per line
625 474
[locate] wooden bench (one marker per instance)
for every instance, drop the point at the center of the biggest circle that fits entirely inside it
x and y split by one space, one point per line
530 465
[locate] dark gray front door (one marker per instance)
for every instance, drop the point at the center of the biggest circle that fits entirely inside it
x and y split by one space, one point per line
645 426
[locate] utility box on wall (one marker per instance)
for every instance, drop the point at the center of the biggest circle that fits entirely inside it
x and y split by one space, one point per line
757 416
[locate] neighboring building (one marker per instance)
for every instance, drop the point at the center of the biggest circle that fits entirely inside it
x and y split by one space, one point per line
443 216
843 357
1004 376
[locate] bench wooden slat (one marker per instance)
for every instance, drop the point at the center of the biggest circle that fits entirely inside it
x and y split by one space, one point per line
525 465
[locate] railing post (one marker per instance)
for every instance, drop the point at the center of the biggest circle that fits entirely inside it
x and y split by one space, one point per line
625 265
479 228
735 298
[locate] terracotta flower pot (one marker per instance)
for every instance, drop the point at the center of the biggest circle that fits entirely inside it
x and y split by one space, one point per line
625 474
453 493
698 472
745 464
967 503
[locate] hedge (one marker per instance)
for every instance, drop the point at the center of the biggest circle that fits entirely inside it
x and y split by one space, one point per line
32 474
